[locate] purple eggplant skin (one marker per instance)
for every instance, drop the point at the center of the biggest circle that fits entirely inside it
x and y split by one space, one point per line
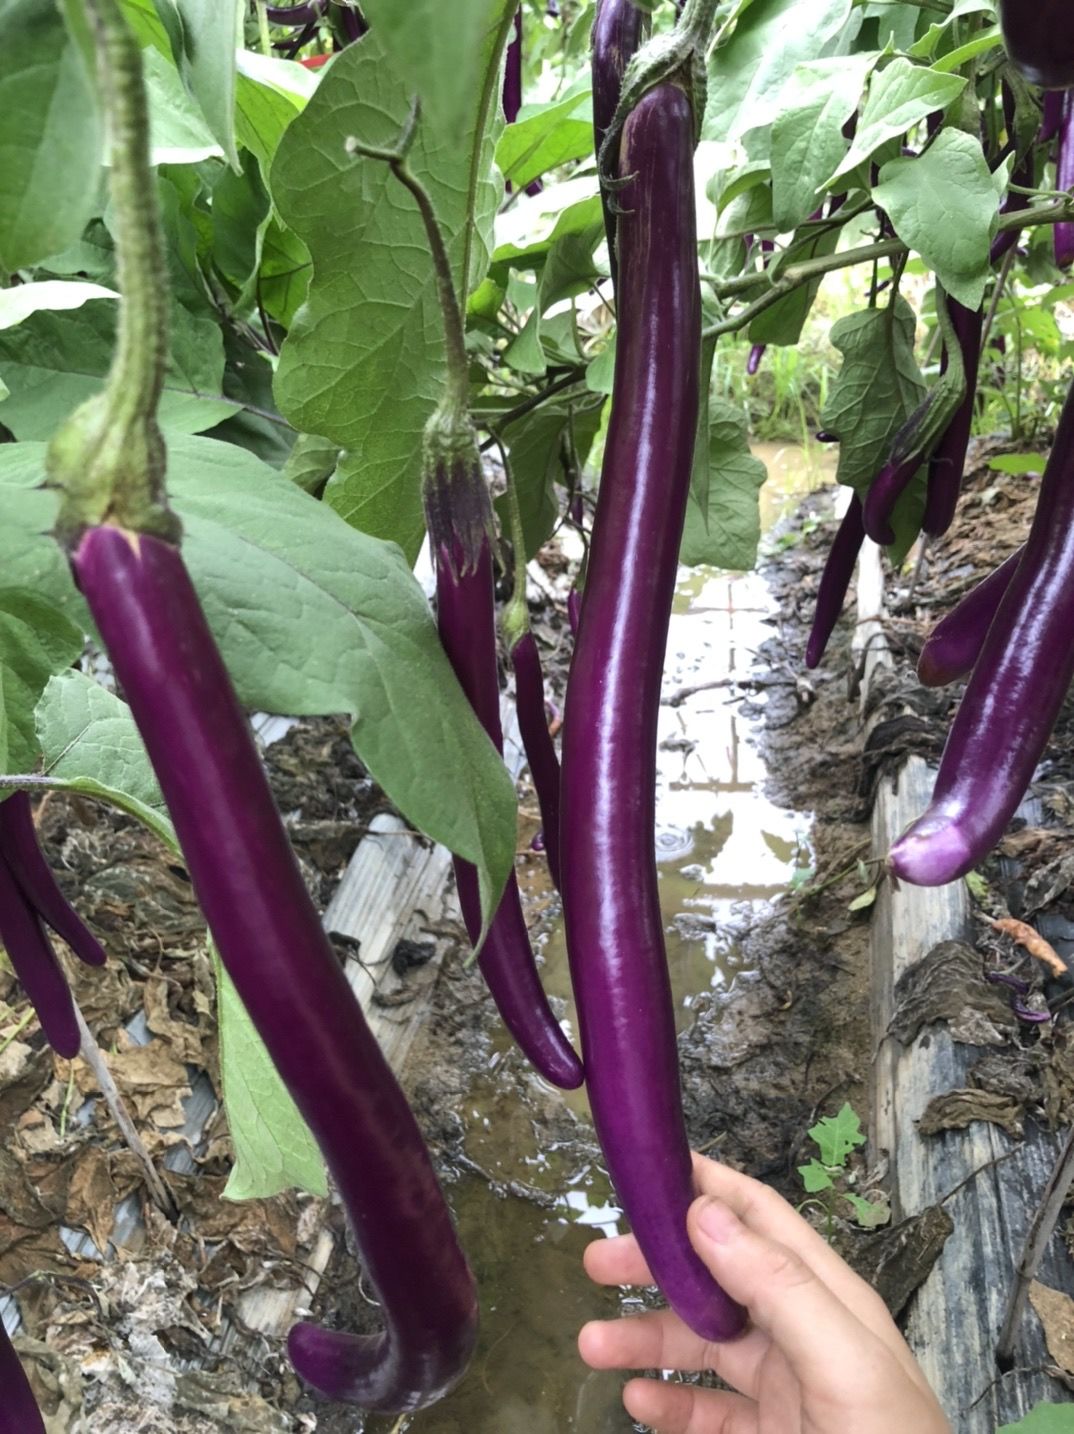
884 492
296 14
1013 697
274 948
1064 179
1039 38
753 363
1052 117
615 932
834 581
537 742
574 610
467 623
19 1413
948 459
20 850
618 31
512 75
954 644
36 965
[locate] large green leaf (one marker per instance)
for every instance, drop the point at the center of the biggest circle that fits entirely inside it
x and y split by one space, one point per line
17 304
50 138
56 359
900 96
210 30
551 135
878 387
268 94
440 51
535 444
91 746
363 362
723 526
944 204
807 137
312 618
36 640
748 73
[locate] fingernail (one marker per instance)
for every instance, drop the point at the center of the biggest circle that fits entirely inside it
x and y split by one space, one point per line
718 1222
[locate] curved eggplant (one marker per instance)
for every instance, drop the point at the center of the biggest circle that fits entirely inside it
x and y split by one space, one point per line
1013 697
274 947
618 31
19 848
948 460
19 1413
954 644
37 966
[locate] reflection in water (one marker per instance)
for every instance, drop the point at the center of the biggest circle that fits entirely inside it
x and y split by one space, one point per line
724 851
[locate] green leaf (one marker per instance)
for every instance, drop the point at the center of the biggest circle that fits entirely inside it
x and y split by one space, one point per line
807 137
784 321
177 127
92 746
569 269
50 136
550 136
312 462
748 73
20 302
878 387
815 1178
725 531
363 363
837 1135
55 360
269 93
573 219
274 1149
900 95
535 447
869 1214
312 618
36 640
210 30
240 209
441 51
944 205
896 23
1043 1419
1018 463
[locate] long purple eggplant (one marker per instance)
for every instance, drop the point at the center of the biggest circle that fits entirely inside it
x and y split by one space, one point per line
618 31
19 1413
1064 179
297 15
537 741
753 362
1039 35
949 456
274 948
615 932
467 624
834 581
954 644
574 610
37 966
884 492
20 850
1013 697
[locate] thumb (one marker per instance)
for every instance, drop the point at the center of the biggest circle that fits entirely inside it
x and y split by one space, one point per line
815 1331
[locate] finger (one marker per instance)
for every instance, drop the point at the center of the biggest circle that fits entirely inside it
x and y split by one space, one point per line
660 1340
815 1331
768 1214
683 1409
616 1261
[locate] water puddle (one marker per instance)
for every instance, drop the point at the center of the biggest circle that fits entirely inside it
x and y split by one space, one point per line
724 851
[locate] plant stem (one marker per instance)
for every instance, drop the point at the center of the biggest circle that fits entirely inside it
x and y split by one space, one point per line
458 365
997 294
516 618
263 35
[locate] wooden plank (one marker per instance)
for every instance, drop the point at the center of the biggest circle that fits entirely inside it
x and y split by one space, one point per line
989 1184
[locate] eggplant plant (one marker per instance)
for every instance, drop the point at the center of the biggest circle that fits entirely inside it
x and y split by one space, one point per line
333 314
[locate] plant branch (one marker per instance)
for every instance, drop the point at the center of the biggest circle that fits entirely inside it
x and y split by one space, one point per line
528 405
795 275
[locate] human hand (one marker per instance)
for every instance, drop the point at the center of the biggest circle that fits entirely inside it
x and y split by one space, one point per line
821 1356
